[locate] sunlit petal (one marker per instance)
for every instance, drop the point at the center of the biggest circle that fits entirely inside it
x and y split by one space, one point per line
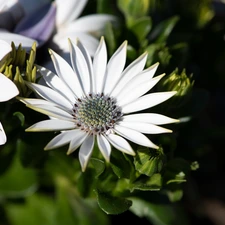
66 73
85 151
50 95
99 65
153 118
80 66
133 69
137 91
8 89
104 146
134 136
145 128
115 67
120 144
62 139
78 139
51 125
147 101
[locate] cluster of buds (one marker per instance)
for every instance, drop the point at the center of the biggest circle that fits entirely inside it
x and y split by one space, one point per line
19 67
181 83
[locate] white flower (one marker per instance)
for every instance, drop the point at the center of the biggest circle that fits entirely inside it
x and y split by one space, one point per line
85 28
8 89
92 101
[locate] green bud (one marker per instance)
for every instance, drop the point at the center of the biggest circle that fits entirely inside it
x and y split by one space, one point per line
18 66
180 83
149 161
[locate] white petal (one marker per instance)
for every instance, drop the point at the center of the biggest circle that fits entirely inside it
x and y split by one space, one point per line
5 49
52 111
89 63
134 136
120 144
2 135
35 101
17 39
91 23
138 79
147 101
8 89
80 67
152 118
99 65
53 81
50 95
62 139
132 93
115 67
85 151
133 69
66 73
104 146
61 40
77 140
51 125
145 128
68 10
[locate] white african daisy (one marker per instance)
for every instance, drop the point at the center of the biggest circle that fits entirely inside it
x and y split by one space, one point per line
91 101
70 24
8 89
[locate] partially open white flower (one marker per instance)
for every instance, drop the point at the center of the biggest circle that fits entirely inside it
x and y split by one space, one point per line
93 100
85 28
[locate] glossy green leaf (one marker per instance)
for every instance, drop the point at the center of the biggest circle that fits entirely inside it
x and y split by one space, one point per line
112 205
120 166
153 183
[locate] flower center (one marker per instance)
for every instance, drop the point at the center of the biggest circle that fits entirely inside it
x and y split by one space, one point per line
96 113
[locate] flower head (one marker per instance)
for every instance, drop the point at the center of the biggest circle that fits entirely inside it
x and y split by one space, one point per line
93 100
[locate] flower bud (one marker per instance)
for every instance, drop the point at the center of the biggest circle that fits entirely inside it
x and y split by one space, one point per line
180 83
19 67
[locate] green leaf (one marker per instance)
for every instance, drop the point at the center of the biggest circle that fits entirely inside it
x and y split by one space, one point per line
162 31
98 165
112 205
153 183
120 166
17 181
159 214
142 27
